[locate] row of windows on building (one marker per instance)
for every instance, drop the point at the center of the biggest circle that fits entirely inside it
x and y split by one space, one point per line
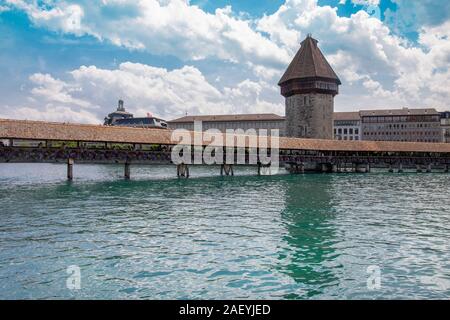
233 125
341 123
411 140
406 126
404 133
424 118
346 131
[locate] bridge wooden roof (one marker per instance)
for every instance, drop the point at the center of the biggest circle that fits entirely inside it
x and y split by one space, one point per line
40 130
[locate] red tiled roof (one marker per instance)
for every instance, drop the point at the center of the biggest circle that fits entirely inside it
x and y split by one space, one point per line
230 117
346 116
398 112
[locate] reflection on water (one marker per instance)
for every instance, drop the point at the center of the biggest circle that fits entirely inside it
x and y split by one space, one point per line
156 237
310 235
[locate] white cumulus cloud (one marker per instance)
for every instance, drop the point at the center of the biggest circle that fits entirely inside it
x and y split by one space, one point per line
90 93
161 27
379 68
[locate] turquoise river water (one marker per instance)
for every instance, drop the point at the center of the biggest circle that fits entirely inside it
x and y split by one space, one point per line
314 236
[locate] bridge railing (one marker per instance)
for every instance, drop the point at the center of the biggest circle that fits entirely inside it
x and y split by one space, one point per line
14 154
374 159
29 154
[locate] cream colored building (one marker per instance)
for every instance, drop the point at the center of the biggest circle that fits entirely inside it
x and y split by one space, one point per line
411 125
265 121
347 126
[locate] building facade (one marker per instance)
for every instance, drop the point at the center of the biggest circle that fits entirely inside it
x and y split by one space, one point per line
309 86
266 121
412 125
409 125
445 126
347 126
122 118
119 114
144 122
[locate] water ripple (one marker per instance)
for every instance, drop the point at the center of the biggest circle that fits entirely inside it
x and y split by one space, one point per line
242 237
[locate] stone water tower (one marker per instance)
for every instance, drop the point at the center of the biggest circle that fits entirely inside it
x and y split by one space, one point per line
309 86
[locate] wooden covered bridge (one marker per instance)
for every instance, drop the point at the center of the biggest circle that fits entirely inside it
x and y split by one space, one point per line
38 141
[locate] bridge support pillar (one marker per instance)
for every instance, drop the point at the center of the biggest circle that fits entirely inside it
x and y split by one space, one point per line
400 168
429 168
227 169
391 170
296 168
301 168
361 168
182 171
70 169
368 168
446 168
334 168
264 169
419 168
127 171
325 167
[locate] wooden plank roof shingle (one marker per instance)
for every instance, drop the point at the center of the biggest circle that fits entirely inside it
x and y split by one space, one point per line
309 62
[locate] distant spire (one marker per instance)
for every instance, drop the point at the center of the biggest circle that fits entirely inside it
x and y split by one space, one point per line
120 107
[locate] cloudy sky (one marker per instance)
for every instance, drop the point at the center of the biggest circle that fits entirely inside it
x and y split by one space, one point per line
72 60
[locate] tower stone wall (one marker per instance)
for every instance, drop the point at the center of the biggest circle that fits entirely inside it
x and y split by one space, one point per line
310 116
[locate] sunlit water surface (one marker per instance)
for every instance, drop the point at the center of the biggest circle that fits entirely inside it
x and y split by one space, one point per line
244 237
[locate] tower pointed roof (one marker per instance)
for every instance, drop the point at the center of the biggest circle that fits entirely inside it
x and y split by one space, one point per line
309 62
